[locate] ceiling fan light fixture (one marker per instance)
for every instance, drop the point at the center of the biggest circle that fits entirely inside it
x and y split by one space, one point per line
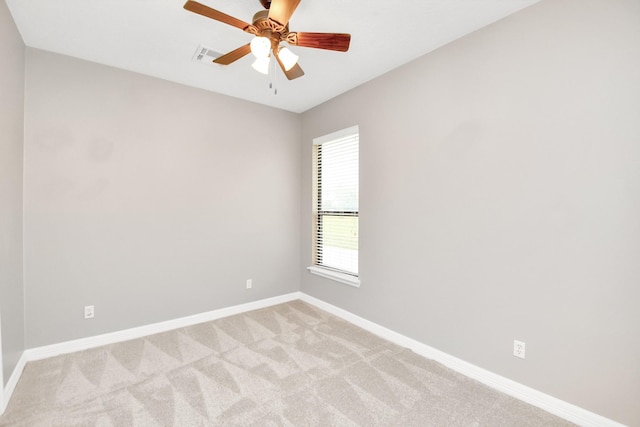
260 47
261 65
288 58
270 27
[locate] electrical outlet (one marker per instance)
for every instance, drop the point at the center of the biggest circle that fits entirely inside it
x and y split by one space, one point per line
249 283
88 312
518 349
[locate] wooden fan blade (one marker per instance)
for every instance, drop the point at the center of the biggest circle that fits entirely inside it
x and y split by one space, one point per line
281 10
293 73
328 41
234 55
200 9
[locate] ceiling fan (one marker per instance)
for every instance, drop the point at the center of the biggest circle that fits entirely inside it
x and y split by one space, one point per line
271 27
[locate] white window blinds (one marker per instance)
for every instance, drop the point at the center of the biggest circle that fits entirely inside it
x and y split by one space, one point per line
336 201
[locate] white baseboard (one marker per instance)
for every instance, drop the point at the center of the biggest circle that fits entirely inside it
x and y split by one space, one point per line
534 397
155 328
550 404
12 383
128 334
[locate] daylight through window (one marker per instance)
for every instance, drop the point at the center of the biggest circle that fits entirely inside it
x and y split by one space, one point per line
336 188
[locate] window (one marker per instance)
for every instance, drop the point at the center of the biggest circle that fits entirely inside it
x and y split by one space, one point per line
335 204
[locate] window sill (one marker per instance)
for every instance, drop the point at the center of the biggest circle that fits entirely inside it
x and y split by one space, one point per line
334 275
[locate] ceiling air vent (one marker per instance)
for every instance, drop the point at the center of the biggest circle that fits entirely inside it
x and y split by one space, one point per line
206 55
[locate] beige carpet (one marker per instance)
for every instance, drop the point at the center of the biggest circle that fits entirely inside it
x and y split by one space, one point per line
287 365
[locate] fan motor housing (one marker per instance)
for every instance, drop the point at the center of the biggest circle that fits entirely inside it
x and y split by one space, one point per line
264 27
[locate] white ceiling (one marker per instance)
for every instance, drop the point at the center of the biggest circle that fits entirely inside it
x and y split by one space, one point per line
159 38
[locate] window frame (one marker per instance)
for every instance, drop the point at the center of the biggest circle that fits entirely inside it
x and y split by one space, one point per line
336 274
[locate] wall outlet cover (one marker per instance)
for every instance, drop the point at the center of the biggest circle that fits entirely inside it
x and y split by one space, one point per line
518 349
88 312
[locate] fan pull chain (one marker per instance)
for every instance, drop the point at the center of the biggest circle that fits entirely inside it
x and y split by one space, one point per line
272 75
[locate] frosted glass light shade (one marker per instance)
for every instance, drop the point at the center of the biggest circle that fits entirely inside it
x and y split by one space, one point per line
261 65
260 47
288 58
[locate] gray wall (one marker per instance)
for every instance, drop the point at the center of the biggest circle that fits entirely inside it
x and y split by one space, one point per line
500 200
150 200
11 149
